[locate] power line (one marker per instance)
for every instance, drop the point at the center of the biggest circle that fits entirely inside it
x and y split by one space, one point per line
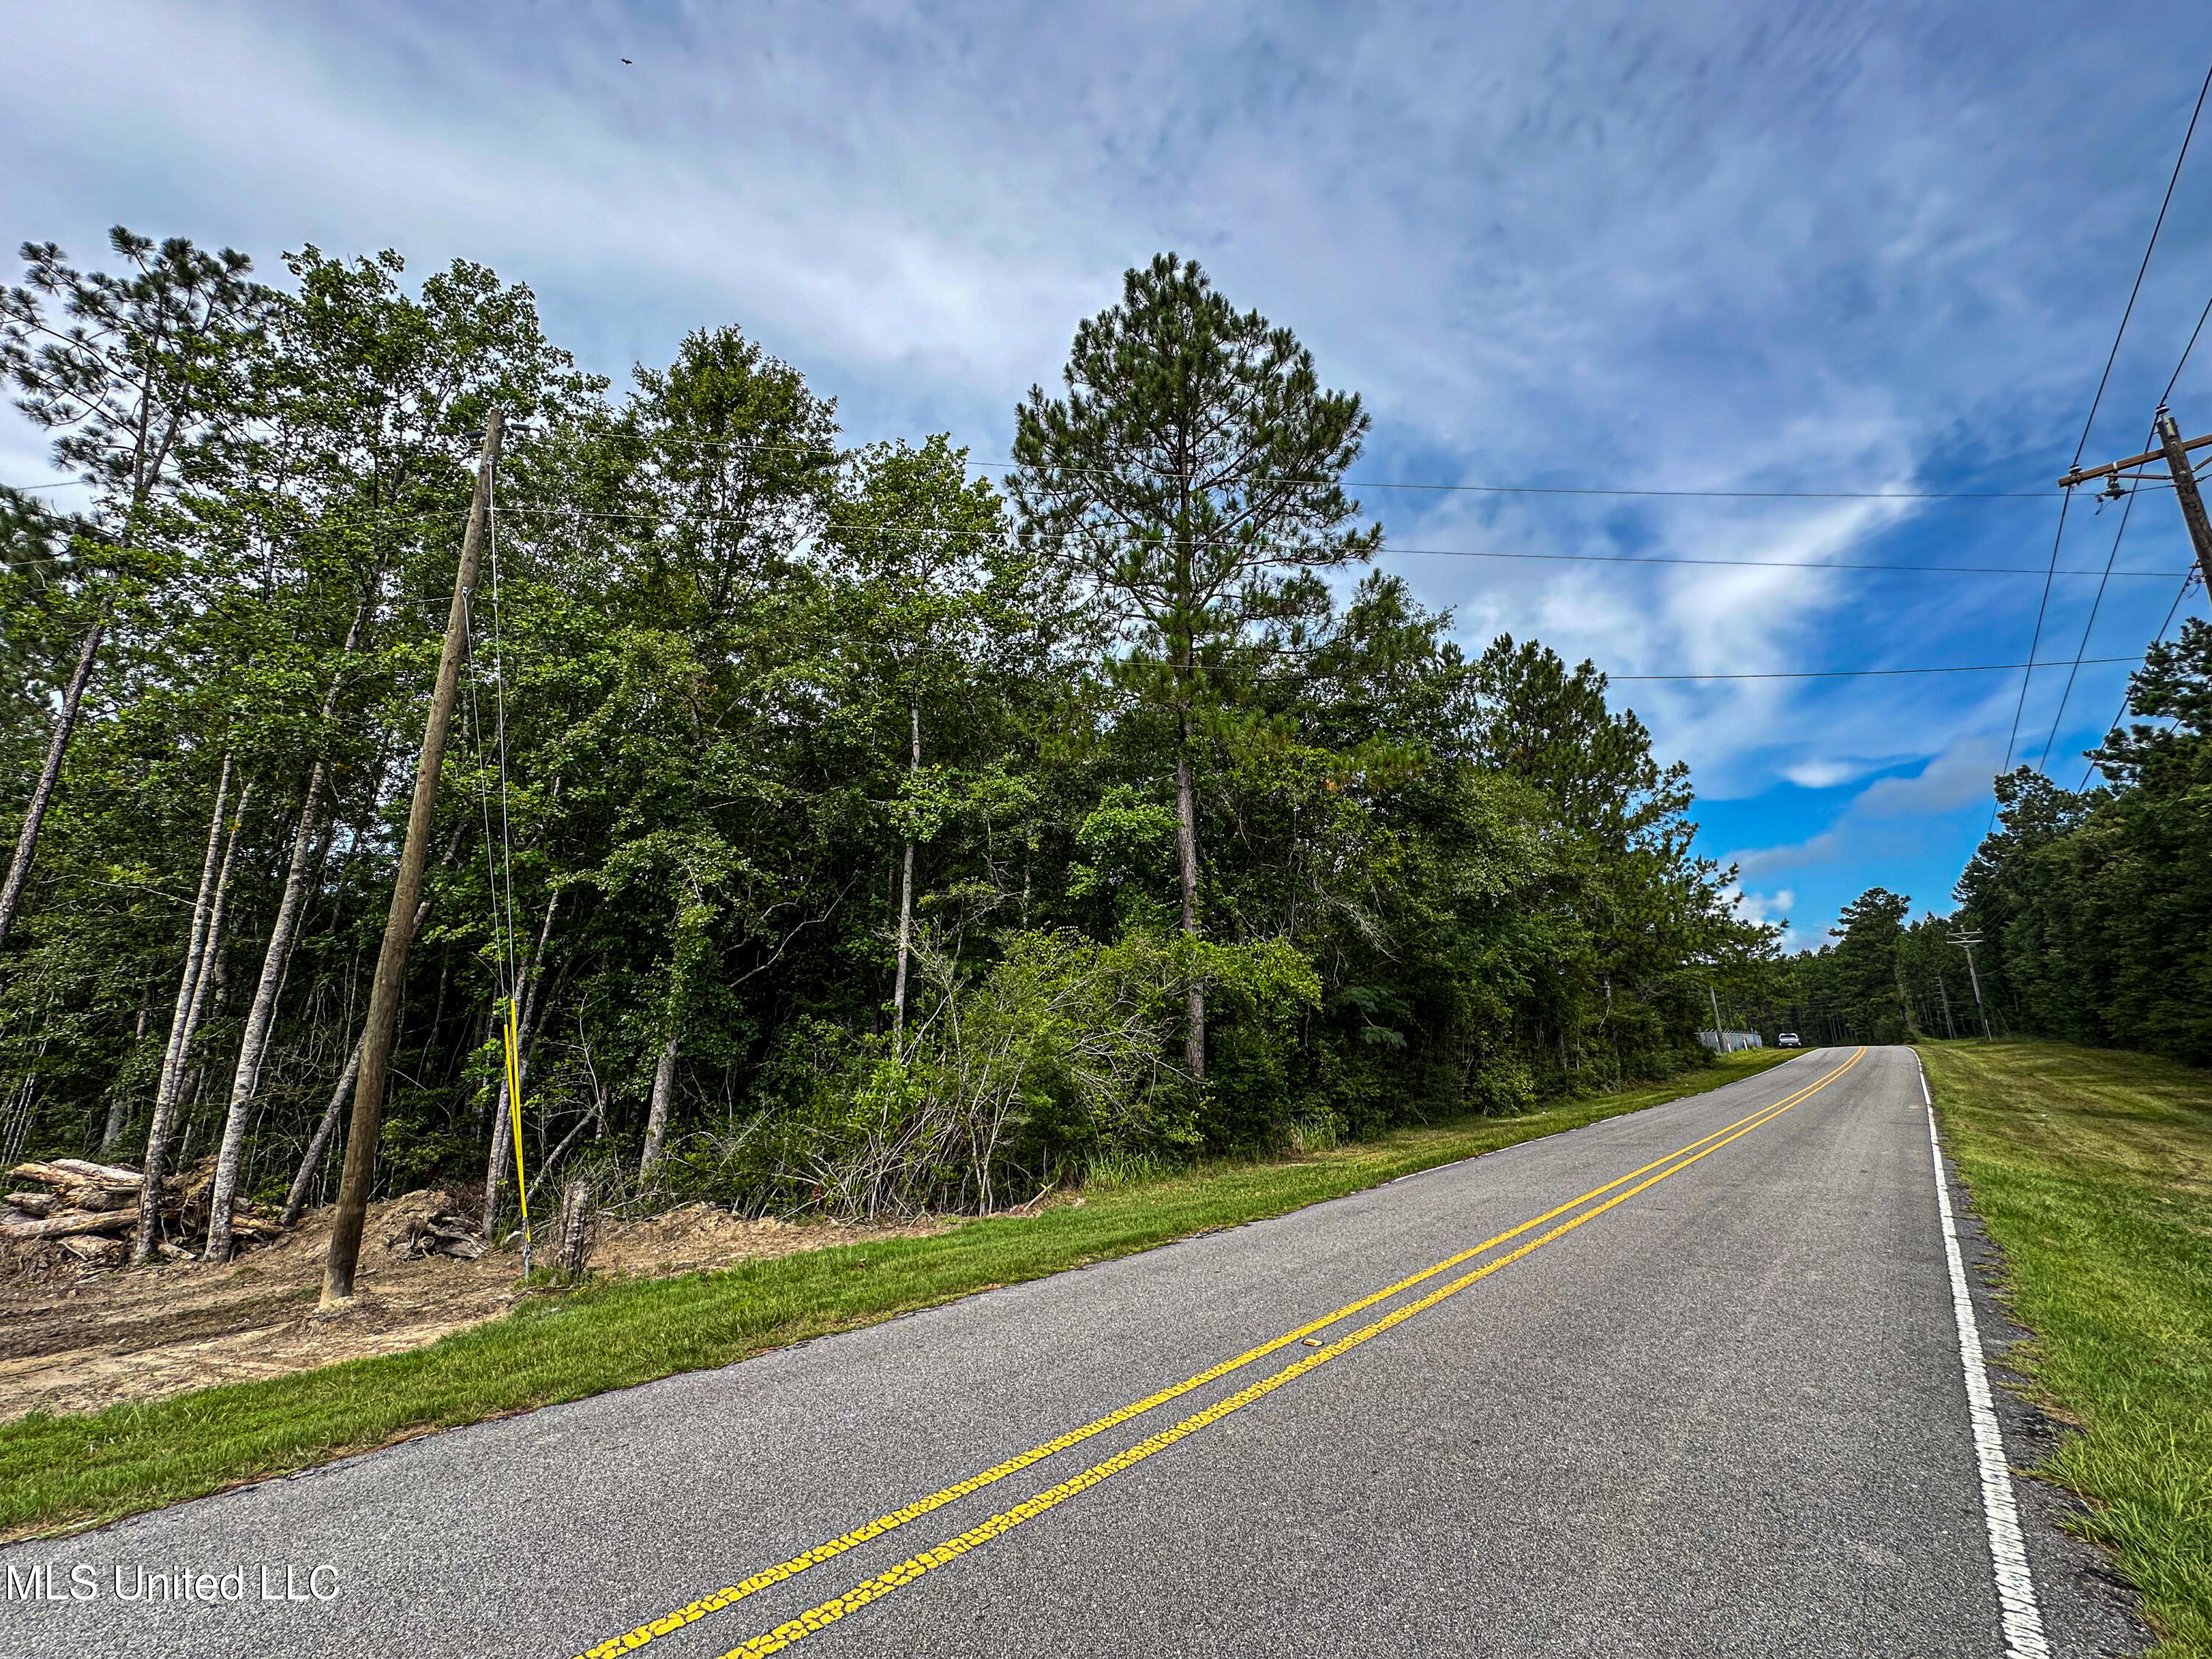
2095 402
2157 225
1708 495
2088 628
828 454
1752 564
2119 713
670 440
678 517
904 528
2185 351
2035 639
1869 673
681 516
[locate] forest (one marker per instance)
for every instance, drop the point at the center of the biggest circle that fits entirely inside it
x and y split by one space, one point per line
860 829
2090 909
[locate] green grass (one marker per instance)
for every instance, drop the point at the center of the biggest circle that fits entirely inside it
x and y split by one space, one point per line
58 1474
2092 1171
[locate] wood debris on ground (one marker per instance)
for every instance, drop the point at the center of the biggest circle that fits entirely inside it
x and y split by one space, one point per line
90 1210
445 1231
74 1337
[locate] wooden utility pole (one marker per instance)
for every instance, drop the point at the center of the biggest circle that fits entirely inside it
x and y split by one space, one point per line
2175 453
1720 1038
406 888
1967 942
2184 490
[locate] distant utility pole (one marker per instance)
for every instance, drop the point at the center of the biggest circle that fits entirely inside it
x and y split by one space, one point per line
1720 1038
1967 942
406 888
1950 1029
2175 453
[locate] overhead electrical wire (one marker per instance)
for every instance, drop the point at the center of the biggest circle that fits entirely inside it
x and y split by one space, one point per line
508 508
499 857
1487 489
2172 380
2175 378
455 513
1869 673
840 455
2120 713
2133 292
2088 628
1411 552
2095 402
1840 673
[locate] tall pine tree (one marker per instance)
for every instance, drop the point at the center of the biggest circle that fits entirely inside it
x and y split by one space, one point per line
1191 480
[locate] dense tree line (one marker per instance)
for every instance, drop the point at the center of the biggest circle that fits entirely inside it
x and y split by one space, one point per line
852 830
2097 905
2094 907
1884 979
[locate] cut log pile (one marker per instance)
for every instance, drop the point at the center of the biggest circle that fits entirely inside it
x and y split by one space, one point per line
444 1231
91 1210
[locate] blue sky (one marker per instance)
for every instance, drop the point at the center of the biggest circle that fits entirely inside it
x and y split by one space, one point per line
1701 246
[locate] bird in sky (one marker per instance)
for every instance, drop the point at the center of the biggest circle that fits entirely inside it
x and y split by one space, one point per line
626 60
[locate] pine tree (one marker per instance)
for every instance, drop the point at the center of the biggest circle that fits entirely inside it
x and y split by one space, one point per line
1191 480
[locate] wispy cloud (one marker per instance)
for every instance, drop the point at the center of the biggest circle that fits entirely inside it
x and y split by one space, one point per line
1889 813
1799 247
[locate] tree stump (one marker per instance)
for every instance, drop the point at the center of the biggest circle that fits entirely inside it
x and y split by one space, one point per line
580 1218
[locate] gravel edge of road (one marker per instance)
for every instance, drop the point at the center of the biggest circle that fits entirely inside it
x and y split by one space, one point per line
2096 1613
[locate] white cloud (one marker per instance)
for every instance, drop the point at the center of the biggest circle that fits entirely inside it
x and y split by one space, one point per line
1777 906
1822 773
1888 814
1764 906
1588 243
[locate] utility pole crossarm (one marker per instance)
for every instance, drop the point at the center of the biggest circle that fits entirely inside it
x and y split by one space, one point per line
2175 453
2083 474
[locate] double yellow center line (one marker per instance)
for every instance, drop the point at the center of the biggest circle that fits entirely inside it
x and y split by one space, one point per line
914 1566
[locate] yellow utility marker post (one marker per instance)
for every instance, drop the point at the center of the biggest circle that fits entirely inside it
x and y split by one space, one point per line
514 1119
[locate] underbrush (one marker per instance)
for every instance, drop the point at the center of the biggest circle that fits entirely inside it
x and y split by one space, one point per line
1058 1064
59 1472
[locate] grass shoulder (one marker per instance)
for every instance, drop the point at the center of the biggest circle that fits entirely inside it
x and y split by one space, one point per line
61 1472
2092 1170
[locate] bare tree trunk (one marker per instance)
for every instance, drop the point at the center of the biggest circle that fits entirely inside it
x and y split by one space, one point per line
656 1117
906 908
496 1166
297 1199
34 815
166 1086
198 976
118 1103
1194 1042
258 1021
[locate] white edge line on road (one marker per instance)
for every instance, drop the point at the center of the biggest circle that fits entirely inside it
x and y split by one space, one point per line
2017 1604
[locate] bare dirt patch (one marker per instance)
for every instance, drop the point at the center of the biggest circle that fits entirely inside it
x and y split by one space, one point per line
77 1342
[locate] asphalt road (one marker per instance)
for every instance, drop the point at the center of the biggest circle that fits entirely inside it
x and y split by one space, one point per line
1723 1414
